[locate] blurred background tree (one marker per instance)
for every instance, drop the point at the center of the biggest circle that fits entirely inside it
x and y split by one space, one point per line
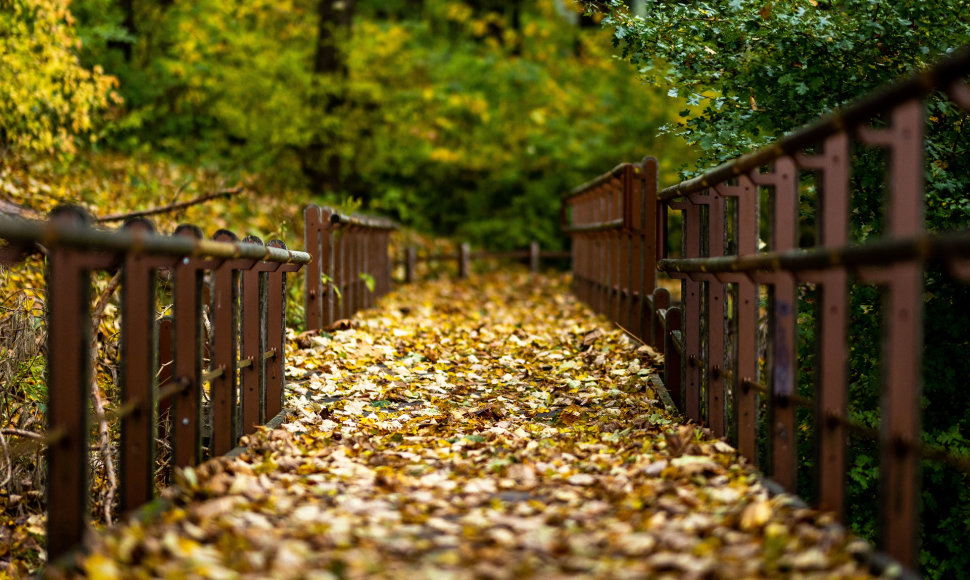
464 119
47 98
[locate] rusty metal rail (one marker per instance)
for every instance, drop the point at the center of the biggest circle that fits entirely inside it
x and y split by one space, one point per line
75 250
618 223
351 267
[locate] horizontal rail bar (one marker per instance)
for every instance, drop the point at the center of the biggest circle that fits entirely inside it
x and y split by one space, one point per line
49 233
957 461
594 227
171 389
764 390
597 181
363 221
917 85
510 255
928 247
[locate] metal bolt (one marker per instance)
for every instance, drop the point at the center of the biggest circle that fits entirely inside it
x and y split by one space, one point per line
185 261
185 421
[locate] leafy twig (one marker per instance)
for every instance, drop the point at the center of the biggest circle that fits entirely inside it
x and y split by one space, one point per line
103 430
22 433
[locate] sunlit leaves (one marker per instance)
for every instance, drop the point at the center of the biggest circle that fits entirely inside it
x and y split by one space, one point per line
47 99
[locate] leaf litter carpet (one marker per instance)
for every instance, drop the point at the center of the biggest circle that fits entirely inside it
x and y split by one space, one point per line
489 428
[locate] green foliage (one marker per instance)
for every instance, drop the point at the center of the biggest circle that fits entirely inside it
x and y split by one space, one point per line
47 99
452 119
753 70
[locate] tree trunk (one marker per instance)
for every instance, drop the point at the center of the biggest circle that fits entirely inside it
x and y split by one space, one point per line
125 46
320 164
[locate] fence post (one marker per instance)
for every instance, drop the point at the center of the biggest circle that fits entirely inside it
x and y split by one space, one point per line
253 345
410 261
832 315
673 361
652 243
745 316
464 260
899 430
225 344
338 298
534 257
624 252
318 241
691 310
782 328
137 377
313 274
68 380
275 335
660 300
187 432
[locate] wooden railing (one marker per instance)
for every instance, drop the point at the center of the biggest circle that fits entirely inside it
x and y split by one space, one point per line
464 257
618 223
351 266
255 315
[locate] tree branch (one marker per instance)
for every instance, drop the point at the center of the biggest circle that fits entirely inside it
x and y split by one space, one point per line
171 207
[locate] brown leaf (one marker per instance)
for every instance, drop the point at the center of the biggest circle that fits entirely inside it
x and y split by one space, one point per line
342 324
678 439
590 337
303 339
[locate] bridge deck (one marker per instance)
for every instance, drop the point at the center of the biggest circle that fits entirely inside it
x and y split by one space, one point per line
485 428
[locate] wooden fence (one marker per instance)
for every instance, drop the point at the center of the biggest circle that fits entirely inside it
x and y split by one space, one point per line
619 226
245 348
351 267
463 259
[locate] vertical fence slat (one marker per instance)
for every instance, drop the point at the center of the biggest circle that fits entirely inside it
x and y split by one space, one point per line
187 403
716 311
641 314
832 315
782 325
68 378
313 234
690 313
649 248
900 404
410 262
356 282
340 274
625 253
464 260
673 363
225 339
137 382
615 251
252 379
658 302
745 317
275 336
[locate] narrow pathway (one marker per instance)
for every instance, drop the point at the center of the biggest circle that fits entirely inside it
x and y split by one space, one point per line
484 429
